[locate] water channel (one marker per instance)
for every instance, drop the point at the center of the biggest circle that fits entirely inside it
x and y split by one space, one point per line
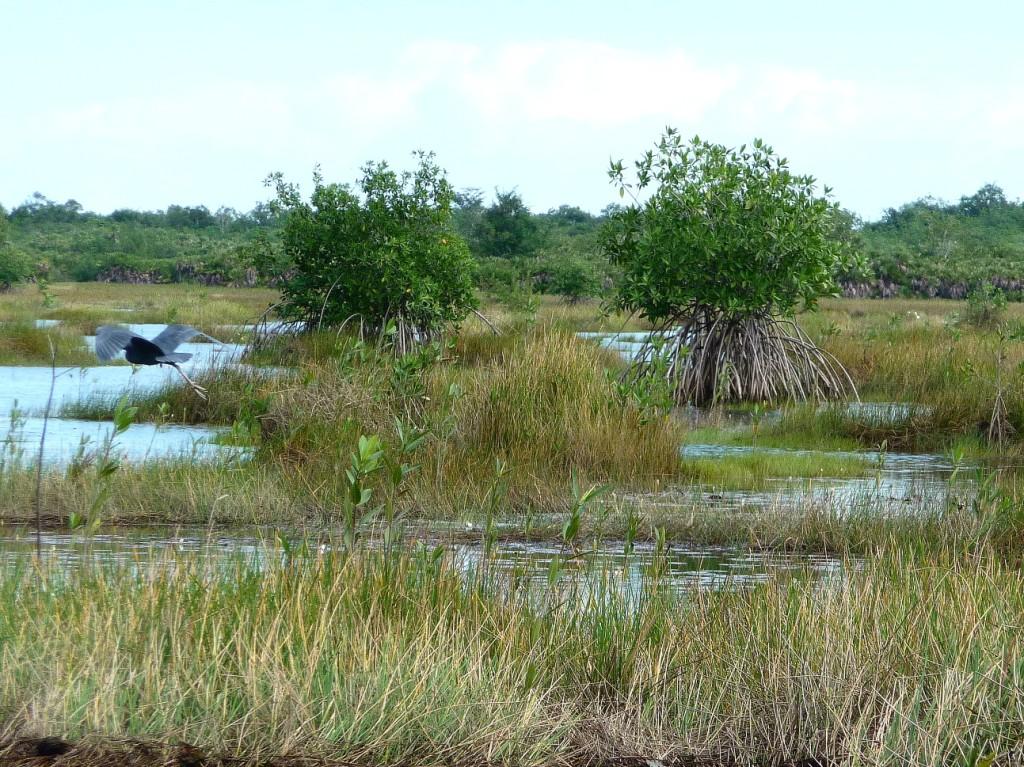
148 548
900 483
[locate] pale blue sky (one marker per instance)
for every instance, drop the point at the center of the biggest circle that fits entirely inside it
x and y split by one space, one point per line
146 104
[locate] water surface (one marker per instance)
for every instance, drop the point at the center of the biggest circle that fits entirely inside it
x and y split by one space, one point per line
685 568
24 392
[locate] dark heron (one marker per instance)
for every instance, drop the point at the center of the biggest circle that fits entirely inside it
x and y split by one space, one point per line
112 339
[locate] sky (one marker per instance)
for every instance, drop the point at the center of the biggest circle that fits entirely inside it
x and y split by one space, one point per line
145 104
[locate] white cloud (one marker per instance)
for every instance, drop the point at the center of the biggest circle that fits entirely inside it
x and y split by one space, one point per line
545 114
804 99
573 83
367 100
237 113
1005 120
592 83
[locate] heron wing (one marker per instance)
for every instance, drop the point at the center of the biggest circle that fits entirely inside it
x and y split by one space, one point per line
174 358
173 336
111 340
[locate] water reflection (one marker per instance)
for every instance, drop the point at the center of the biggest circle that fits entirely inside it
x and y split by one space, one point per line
682 568
896 484
66 438
899 483
893 483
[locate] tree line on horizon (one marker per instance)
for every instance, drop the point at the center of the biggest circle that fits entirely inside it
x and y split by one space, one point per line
927 247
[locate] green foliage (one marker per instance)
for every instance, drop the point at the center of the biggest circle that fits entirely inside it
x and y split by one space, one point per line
570 263
989 197
263 253
506 229
926 247
650 394
181 244
724 250
572 527
730 230
14 267
369 460
467 213
106 463
933 248
574 278
391 253
558 251
986 307
499 275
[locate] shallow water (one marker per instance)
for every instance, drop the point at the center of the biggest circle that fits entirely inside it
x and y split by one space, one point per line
900 482
24 392
627 343
28 387
685 568
895 464
884 413
271 327
66 437
150 329
895 484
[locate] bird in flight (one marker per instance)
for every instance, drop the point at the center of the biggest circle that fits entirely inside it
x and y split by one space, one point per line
112 339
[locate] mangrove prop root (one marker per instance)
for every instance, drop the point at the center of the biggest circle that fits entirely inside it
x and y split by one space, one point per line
708 357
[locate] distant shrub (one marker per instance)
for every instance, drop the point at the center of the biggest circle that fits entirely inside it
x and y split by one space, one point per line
986 307
264 255
507 229
721 248
498 275
14 266
571 277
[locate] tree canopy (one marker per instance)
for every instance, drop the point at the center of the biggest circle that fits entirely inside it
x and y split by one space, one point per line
13 265
728 230
928 247
506 228
935 248
386 251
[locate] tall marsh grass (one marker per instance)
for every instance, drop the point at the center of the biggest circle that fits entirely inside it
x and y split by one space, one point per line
539 408
22 343
545 406
538 404
920 352
403 659
758 471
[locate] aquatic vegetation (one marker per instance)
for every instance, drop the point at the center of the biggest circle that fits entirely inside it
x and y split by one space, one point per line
404 658
22 343
754 470
376 650
719 249
88 304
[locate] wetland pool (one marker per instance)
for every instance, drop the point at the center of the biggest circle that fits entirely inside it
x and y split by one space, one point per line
24 391
153 548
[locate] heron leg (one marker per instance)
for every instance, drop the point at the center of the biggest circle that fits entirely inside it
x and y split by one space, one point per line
199 390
